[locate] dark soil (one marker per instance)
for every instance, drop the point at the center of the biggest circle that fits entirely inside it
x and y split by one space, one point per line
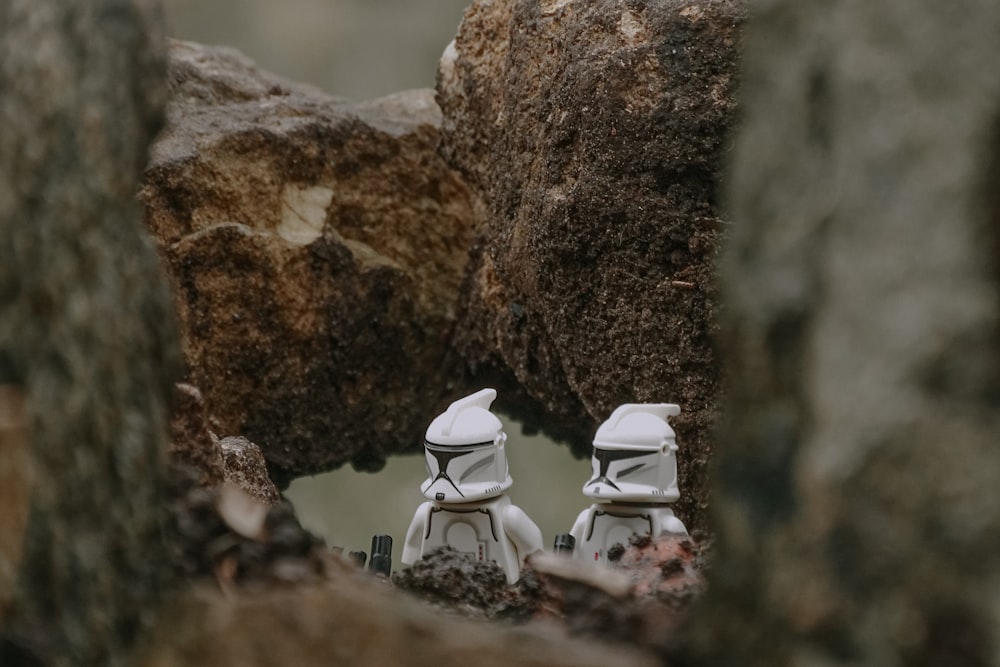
659 579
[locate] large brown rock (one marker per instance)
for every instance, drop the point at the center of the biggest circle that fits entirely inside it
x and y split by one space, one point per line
317 247
593 132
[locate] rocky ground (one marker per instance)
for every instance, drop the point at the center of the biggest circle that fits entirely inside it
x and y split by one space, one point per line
233 534
544 222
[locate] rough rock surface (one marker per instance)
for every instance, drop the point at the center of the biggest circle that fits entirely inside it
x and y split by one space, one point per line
858 464
317 248
88 338
593 133
192 446
245 467
224 535
641 600
456 583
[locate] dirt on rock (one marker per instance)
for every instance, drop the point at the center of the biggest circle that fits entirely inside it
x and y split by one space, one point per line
641 599
223 535
455 583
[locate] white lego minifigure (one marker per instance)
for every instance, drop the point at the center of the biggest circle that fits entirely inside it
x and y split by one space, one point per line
635 470
467 477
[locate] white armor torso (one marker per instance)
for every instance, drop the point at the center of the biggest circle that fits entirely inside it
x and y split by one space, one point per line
601 526
474 529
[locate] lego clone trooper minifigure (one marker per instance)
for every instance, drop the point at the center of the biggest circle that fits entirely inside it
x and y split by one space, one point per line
467 477
635 471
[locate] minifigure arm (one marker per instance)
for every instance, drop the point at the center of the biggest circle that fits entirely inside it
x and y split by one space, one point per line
671 524
522 531
580 526
415 535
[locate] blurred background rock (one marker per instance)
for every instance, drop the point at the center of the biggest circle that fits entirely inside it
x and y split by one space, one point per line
363 49
360 49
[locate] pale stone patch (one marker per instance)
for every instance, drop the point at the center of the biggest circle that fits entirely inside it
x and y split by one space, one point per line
633 29
693 13
446 65
303 213
552 6
243 513
647 86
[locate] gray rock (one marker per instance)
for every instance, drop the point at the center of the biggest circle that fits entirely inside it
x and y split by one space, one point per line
88 338
593 132
317 248
858 464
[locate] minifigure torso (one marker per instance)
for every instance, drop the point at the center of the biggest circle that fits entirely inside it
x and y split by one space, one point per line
603 525
485 530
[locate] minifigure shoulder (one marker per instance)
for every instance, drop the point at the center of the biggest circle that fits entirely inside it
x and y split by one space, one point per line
523 532
580 525
415 534
669 523
423 509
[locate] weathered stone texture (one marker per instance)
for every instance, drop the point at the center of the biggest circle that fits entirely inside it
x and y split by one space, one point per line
87 332
192 446
858 464
246 468
317 248
593 133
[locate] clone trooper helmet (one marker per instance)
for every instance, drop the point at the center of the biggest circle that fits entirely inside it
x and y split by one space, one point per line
633 457
464 448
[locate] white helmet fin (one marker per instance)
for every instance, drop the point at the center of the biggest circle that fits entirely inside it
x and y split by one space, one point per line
661 410
637 425
481 399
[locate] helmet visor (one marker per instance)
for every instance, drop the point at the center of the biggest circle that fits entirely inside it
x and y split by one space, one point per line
616 467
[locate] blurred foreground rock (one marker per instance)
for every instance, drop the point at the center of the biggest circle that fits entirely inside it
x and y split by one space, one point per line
593 132
16 481
88 339
858 466
317 248
226 536
355 619
199 456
